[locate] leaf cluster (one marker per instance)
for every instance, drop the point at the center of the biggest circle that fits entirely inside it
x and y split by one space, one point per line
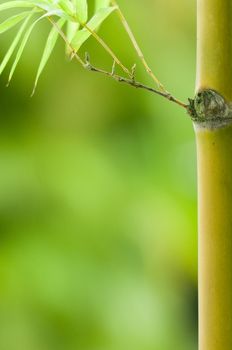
69 19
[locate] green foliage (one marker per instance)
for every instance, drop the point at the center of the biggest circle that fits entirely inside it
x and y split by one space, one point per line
12 21
24 42
16 4
14 44
99 4
82 35
71 13
82 10
72 28
50 44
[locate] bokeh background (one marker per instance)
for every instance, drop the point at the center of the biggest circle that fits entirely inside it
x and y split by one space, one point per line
98 234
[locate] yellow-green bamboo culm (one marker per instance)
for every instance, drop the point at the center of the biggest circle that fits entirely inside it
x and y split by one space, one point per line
215 237
214 150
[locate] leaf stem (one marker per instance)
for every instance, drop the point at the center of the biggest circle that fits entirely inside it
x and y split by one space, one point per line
136 45
63 36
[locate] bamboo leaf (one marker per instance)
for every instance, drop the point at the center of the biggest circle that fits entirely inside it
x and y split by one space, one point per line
45 5
15 4
12 21
82 35
72 28
50 6
100 4
50 44
67 7
14 44
82 10
24 42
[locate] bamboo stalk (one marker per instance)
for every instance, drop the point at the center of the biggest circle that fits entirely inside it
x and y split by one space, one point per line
215 238
214 149
214 48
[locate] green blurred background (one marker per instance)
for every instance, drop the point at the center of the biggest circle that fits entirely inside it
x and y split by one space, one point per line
98 194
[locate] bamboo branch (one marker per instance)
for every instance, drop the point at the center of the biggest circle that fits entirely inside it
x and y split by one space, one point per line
129 81
132 82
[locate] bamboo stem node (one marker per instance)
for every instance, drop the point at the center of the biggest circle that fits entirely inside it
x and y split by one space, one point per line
210 109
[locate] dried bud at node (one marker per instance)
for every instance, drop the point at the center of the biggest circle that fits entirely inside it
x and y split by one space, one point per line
209 109
209 104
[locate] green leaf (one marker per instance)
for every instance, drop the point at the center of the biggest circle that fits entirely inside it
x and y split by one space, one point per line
67 7
82 10
100 4
15 4
12 21
53 6
45 5
72 28
50 44
82 35
14 44
24 42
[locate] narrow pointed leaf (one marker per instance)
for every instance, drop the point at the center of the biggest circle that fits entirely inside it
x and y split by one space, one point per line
24 42
93 24
15 4
67 7
82 10
100 4
72 28
12 21
50 44
51 7
14 44
47 6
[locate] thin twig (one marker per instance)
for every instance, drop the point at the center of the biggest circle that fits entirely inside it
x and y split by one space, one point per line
134 83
